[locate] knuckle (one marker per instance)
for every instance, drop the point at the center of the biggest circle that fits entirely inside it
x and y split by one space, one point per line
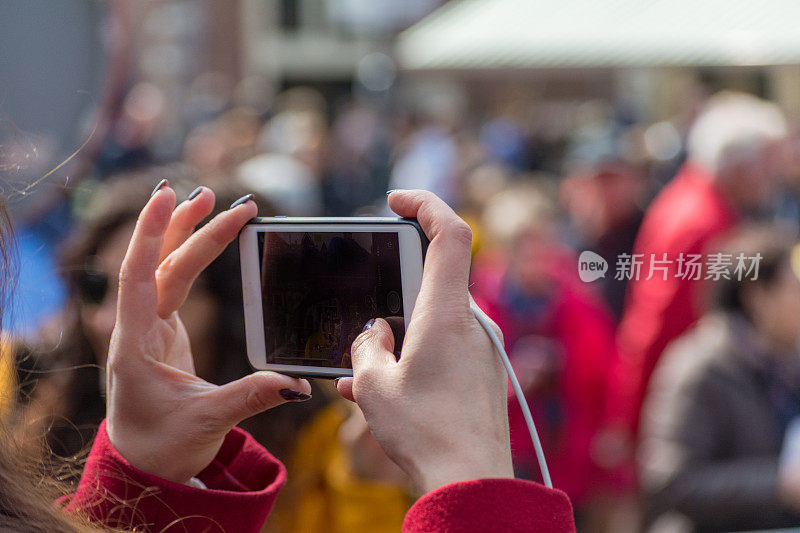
161 273
209 426
425 196
459 232
220 239
167 263
365 381
461 319
219 231
170 267
255 401
126 276
114 364
360 344
173 272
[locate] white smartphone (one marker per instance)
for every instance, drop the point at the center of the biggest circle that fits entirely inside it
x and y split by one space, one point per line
311 284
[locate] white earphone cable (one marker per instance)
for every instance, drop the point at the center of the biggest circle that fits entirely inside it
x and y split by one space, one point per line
526 412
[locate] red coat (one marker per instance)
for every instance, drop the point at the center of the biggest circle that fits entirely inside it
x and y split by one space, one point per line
568 415
243 482
688 214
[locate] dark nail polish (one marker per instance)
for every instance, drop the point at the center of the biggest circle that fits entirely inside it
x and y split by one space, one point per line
195 193
368 325
241 201
294 395
161 184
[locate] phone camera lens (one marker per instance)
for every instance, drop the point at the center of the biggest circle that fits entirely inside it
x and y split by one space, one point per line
393 302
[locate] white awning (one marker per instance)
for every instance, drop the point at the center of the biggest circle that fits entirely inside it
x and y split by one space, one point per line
522 34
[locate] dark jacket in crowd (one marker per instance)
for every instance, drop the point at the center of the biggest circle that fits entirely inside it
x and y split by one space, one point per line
712 429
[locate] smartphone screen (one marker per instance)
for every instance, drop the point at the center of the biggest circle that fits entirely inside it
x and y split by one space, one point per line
319 289
310 286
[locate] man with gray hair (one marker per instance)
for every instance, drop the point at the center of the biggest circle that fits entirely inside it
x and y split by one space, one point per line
738 139
734 160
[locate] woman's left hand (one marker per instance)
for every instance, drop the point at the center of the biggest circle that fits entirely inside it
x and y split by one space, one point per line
161 417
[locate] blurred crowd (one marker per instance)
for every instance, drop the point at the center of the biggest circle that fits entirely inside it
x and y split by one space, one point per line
665 401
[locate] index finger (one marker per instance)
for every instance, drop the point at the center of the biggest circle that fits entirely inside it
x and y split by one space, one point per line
138 293
447 261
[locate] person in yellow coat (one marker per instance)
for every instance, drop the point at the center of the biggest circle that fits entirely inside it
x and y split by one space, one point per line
7 381
339 479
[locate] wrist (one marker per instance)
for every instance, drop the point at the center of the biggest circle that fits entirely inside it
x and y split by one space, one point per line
454 468
143 453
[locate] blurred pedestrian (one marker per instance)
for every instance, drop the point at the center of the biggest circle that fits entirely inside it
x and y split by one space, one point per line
429 155
559 336
717 450
340 480
357 162
604 202
292 148
734 151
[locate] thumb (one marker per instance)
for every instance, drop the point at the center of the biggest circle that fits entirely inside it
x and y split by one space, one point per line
373 349
253 394
369 350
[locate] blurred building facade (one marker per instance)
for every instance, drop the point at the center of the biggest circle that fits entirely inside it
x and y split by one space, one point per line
651 56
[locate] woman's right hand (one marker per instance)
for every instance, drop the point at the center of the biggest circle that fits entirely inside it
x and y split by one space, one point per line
440 411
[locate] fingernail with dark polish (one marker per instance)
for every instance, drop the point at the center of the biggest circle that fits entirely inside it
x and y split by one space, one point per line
161 184
368 325
294 395
241 201
195 193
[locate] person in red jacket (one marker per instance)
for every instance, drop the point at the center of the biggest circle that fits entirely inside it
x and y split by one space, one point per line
168 457
734 158
559 335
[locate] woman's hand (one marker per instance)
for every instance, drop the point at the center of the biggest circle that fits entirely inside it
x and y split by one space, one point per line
161 417
440 411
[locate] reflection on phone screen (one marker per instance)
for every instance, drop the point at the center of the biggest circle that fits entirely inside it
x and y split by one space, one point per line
318 290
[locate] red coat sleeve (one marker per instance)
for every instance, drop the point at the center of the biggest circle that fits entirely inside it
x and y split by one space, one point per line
243 481
491 505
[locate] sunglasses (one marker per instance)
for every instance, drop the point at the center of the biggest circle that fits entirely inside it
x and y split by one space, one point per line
93 285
